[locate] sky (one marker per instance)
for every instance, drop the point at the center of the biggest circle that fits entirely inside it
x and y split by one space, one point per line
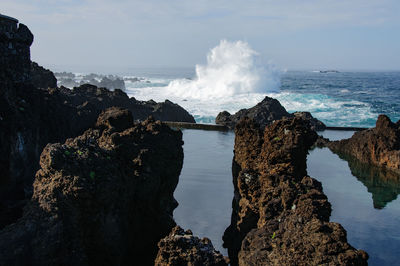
292 34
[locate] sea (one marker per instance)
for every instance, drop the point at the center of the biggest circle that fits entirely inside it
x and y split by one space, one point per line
364 201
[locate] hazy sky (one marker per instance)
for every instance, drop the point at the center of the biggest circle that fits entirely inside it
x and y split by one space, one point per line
293 34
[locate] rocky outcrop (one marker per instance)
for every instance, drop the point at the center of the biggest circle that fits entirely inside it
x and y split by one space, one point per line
103 198
91 100
33 113
71 80
41 77
280 215
314 123
379 146
264 113
182 248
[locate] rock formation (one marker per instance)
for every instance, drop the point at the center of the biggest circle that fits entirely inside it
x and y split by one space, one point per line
103 198
264 113
182 248
41 77
280 215
379 146
71 80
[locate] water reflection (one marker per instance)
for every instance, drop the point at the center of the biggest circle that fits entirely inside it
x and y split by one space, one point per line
372 223
384 185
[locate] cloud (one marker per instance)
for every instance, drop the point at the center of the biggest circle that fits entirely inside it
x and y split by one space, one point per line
183 30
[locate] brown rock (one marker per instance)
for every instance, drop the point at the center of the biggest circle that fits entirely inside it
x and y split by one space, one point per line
378 146
182 248
280 215
103 198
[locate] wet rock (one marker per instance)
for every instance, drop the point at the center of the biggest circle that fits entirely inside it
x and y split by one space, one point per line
280 215
264 113
379 146
103 198
182 248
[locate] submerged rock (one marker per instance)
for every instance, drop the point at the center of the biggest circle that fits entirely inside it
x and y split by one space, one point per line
182 248
379 146
280 215
103 198
264 113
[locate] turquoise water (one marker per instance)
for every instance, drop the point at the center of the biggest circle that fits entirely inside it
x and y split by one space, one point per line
338 99
364 201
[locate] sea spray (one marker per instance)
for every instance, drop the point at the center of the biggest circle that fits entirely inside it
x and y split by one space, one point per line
232 69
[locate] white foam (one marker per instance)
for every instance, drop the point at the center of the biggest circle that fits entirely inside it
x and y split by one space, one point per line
233 68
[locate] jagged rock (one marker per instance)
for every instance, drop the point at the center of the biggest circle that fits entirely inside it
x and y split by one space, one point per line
280 215
378 146
315 123
41 77
31 116
103 198
182 248
264 113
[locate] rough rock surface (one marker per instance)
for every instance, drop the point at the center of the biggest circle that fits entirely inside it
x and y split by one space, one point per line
378 146
280 215
32 116
182 248
264 113
103 198
314 123
41 77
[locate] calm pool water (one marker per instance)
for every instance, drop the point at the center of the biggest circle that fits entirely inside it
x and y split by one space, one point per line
365 201
205 188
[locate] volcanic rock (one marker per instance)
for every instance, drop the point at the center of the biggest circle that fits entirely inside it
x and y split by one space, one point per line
314 123
379 146
103 198
182 248
41 77
33 113
264 113
280 215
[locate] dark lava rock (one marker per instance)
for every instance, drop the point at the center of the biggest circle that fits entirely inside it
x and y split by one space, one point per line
378 146
315 123
182 248
264 113
280 215
89 99
41 77
103 198
33 113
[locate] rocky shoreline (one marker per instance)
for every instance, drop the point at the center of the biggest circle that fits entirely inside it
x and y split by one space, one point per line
280 215
87 176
